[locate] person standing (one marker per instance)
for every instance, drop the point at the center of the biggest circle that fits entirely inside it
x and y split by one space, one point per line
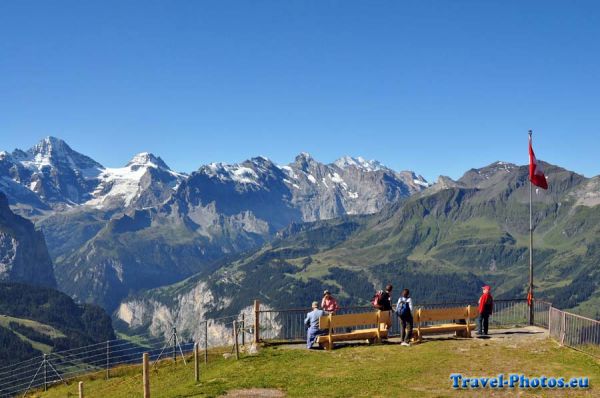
384 299
486 307
312 323
404 310
383 302
328 303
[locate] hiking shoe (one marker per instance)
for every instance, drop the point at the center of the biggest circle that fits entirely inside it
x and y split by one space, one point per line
405 344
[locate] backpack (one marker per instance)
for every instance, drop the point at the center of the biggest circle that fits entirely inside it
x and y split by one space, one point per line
375 301
404 310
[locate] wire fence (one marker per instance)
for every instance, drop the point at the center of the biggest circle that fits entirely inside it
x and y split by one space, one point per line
109 357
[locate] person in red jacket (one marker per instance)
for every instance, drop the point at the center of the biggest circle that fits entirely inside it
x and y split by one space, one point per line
486 307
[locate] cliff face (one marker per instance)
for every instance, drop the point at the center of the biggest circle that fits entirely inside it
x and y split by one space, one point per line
23 253
188 310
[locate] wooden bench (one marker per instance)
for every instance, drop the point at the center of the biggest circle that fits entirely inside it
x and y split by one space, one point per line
461 321
380 320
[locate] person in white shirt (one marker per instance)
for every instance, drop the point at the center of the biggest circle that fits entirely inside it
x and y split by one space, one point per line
404 310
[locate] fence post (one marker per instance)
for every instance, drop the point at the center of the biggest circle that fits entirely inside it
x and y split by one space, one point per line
45 374
550 320
107 358
206 342
146 376
243 329
81 389
563 328
174 344
196 363
235 340
256 321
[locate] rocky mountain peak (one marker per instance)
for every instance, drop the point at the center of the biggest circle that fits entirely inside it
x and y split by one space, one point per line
303 161
358 162
489 174
147 159
54 152
50 145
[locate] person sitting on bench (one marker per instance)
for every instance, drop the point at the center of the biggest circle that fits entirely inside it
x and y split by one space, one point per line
312 324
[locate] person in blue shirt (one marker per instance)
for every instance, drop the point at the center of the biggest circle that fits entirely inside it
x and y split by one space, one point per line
312 324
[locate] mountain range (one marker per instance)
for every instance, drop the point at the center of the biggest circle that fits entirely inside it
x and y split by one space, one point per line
114 231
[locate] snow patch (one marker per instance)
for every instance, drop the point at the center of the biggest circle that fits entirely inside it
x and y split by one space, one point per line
289 171
244 175
226 172
421 183
338 180
359 162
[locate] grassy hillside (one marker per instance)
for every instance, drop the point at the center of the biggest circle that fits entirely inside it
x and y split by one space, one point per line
37 320
15 348
358 371
37 334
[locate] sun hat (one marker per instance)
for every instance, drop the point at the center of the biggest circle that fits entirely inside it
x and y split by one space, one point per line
315 304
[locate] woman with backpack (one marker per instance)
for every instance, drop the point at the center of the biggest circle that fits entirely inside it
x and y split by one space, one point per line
404 310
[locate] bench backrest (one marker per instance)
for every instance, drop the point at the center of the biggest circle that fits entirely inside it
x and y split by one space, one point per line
445 314
361 319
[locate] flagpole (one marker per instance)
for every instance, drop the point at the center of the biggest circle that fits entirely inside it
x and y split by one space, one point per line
530 294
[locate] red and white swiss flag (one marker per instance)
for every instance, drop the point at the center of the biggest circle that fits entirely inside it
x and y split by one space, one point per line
536 175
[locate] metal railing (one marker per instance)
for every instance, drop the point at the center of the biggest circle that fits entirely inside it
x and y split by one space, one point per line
287 325
575 331
568 329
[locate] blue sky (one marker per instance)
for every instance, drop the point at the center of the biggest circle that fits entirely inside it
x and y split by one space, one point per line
437 87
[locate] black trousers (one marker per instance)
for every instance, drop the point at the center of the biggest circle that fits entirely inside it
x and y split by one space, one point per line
483 323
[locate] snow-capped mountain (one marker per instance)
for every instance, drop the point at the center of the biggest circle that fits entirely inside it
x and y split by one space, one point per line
145 181
347 186
114 230
358 162
58 175
305 190
51 175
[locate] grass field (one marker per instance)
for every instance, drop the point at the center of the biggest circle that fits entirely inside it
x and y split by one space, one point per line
387 370
5 320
